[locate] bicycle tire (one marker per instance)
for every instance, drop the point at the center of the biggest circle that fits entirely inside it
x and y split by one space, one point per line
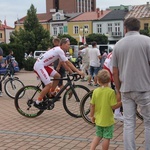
139 116
71 106
12 86
24 98
85 108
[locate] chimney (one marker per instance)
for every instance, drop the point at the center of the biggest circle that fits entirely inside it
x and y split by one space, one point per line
102 12
148 6
98 12
0 23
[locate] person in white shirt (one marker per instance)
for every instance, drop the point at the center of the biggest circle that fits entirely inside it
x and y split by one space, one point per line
84 52
44 71
94 57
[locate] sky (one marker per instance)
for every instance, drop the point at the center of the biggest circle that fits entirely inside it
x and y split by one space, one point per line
13 9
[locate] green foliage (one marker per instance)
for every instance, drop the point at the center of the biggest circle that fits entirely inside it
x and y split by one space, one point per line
17 49
99 38
145 32
33 36
29 63
73 41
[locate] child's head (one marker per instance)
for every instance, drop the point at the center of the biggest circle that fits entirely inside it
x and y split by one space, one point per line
103 77
56 42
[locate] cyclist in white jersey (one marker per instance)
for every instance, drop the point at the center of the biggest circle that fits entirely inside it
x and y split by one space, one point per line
108 66
44 71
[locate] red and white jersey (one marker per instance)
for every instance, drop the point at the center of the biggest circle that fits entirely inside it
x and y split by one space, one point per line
51 55
108 63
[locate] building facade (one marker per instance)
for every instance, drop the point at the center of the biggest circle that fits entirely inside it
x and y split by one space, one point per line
71 6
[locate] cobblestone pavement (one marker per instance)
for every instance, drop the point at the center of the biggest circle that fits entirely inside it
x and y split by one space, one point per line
54 129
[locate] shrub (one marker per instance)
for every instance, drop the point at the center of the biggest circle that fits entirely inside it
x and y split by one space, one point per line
29 63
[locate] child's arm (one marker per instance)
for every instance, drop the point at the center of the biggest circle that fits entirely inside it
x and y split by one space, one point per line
92 109
119 103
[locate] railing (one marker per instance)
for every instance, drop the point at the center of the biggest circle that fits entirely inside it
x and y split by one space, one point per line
116 34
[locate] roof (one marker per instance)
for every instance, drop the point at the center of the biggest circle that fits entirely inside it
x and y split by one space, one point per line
139 11
115 15
2 27
43 17
88 16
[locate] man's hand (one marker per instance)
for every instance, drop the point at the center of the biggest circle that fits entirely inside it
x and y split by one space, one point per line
81 73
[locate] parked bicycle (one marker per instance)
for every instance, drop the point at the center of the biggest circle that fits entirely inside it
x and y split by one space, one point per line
85 108
73 94
11 84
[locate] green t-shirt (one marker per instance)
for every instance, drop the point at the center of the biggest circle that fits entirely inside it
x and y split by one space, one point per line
103 98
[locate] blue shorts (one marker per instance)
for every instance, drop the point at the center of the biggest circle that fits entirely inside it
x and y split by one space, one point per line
94 70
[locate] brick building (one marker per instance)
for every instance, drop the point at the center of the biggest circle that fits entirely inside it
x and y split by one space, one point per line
71 6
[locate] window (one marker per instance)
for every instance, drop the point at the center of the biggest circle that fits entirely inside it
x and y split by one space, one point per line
145 26
76 29
109 27
117 27
57 16
99 28
54 30
61 30
1 35
86 29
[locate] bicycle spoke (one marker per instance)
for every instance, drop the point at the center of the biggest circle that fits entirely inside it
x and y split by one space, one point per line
24 102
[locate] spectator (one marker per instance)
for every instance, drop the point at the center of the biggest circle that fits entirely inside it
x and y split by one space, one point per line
85 60
9 57
95 56
131 72
1 57
101 113
30 55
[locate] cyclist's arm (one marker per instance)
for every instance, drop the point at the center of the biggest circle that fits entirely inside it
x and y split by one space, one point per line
73 68
66 67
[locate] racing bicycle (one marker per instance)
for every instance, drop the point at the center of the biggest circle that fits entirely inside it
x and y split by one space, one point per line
85 108
27 95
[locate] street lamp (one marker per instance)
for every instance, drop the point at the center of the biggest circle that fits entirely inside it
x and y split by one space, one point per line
84 31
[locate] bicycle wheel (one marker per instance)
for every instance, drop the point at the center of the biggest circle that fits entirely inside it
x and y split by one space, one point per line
85 107
138 114
11 86
70 103
24 101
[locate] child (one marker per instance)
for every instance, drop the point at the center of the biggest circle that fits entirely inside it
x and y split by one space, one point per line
101 110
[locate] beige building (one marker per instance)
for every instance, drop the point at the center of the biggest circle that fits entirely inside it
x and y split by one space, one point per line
5 32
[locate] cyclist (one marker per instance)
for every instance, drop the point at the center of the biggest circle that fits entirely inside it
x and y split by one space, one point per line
44 71
107 65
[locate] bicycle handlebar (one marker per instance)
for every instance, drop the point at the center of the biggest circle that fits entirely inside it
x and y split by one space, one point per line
75 76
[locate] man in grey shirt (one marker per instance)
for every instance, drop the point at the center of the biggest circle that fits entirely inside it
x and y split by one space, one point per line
1 57
131 72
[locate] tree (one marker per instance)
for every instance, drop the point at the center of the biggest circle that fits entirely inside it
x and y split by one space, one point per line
99 38
145 32
73 41
33 36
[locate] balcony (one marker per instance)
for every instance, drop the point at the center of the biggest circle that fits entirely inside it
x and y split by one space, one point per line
116 34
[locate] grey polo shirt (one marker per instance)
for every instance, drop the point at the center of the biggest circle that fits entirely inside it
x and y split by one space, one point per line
131 55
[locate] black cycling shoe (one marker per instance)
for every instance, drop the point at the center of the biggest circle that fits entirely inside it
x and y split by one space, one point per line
40 106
